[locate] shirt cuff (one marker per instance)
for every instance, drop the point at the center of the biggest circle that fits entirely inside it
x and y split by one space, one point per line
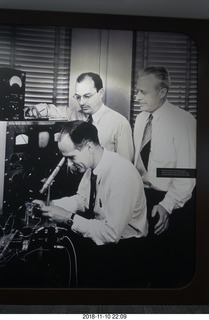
167 204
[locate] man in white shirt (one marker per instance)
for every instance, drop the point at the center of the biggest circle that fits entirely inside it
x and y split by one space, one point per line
119 211
114 130
172 146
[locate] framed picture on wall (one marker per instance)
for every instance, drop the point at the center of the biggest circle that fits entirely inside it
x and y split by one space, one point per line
122 99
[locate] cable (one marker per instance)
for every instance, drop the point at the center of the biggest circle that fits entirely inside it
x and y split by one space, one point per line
37 249
75 259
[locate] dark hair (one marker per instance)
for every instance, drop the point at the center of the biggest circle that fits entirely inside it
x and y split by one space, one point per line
80 133
94 76
160 73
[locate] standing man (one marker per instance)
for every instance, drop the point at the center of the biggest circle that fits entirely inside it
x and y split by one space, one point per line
114 130
113 234
165 139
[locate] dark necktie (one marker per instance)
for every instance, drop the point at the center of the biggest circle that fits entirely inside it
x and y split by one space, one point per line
146 141
92 192
90 119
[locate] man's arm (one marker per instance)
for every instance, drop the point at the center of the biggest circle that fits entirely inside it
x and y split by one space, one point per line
180 190
62 210
44 110
123 195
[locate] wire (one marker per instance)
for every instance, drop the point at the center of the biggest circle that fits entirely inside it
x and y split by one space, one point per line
70 268
7 259
11 216
30 252
75 259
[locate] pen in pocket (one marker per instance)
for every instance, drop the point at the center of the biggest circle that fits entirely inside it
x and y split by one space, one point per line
100 203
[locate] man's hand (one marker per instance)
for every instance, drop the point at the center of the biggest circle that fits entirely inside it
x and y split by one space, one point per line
38 111
32 112
56 214
163 221
53 212
40 203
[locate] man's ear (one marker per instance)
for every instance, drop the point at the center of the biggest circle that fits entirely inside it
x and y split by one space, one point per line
101 92
90 145
163 92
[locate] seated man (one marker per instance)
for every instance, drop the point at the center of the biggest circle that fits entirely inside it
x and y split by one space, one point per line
117 206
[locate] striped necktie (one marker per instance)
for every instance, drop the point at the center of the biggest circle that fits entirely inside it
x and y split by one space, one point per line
146 141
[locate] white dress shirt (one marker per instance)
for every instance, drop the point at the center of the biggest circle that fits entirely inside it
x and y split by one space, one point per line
173 145
114 130
120 205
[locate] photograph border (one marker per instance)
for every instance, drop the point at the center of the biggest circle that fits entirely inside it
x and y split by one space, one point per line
197 291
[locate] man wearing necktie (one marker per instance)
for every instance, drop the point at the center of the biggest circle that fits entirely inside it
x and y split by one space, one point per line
114 129
109 210
170 145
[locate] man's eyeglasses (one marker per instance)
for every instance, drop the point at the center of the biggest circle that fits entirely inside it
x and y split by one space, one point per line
85 97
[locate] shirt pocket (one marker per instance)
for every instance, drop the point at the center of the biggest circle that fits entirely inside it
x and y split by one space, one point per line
163 152
108 141
99 209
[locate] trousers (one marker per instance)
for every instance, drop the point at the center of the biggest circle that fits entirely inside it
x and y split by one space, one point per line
120 265
172 262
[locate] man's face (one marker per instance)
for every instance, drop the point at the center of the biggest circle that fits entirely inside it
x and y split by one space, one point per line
78 160
87 96
149 95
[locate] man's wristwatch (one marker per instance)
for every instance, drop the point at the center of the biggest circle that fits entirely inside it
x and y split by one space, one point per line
70 221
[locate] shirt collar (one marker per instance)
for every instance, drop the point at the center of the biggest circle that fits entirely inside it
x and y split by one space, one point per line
83 116
102 163
98 114
157 113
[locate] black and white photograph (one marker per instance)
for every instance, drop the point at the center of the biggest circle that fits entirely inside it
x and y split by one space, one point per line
97 158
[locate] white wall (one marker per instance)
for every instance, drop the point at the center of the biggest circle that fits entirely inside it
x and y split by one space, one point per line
108 53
